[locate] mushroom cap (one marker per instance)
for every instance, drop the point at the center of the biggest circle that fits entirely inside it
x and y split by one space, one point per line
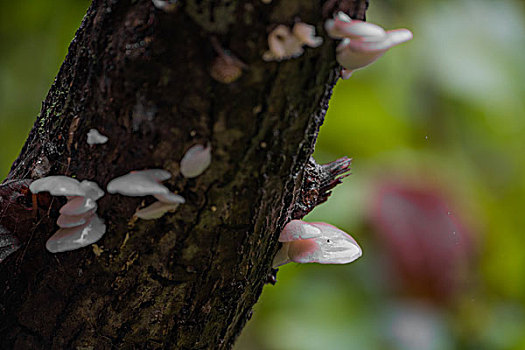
298 229
306 34
67 221
66 239
342 26
92 189
78 205
283 45
354 54
94 137
195 161
156 210
57 185
140 183
170 198
334 246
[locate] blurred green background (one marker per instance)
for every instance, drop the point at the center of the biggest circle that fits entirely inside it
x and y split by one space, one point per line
436 198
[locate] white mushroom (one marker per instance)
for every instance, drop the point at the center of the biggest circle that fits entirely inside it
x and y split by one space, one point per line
363 42
195 161
94 137
156 210
66 221
329 245
58 185
144 183
306 34
342 26
66 239
355 54
78 221
285 43
298 229
140 183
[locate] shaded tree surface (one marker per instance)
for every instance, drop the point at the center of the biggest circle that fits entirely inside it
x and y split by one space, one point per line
141 76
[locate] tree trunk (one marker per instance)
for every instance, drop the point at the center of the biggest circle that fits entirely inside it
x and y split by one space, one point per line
141 76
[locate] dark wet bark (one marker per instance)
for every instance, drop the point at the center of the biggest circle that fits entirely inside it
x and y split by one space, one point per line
142 77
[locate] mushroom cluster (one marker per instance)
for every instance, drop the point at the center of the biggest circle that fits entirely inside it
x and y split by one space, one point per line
146 183
362 43
285 43
317 242
79 224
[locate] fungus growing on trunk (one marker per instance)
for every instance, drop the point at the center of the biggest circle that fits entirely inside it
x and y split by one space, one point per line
285 43
363 42
80 226
66 239
144 183
94 137
195 161
326 244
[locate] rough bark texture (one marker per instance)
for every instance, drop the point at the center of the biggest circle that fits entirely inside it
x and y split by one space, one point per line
141 76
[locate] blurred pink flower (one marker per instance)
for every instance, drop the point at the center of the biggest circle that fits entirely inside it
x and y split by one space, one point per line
430 250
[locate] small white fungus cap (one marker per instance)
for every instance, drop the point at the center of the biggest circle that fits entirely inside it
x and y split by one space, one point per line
67 221
140 183
94 137
195 161
333 246
306 34
283 45
355 54
57 185
170 198
342 26
66 239
156 210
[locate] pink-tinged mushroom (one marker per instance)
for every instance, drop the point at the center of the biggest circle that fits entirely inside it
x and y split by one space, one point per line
195 161
298 229
67 239
66 221
306 34
285 43
355 54
156 210
58 185
81 198
342 26
140 183
363 42
331 246
145 183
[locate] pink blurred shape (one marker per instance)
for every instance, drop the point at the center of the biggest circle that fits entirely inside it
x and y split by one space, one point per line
429 249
